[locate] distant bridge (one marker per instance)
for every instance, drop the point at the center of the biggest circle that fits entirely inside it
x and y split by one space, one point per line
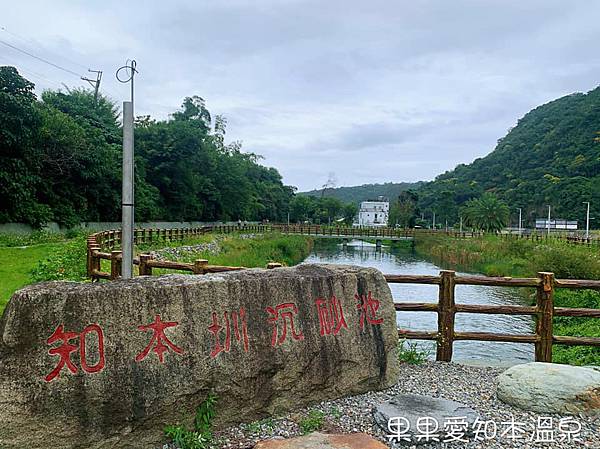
377 234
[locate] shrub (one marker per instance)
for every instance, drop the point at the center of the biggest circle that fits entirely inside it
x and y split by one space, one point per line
409 352
66 263
201 436
33 238
314 421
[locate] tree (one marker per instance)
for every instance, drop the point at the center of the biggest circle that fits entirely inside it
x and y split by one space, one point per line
552 154
20 168
487 213
403 210
350 210
60 160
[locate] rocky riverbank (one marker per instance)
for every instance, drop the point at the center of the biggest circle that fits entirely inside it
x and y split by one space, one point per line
472 386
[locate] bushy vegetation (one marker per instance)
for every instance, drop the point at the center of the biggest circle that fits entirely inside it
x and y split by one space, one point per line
16 264
410 352
28 239
60 160
66 258
552 156
240 250
326 210
312 422
497 256
201 437
37 256
65 262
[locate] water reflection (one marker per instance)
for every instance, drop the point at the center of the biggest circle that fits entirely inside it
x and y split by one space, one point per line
400 261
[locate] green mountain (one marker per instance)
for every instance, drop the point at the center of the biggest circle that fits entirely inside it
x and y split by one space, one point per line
551 157
365 192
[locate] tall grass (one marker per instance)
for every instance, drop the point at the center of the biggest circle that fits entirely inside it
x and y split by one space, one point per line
66 260
9 239
240 251
495 256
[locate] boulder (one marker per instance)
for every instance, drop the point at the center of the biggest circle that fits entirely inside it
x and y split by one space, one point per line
410 412
324 441
110 364
551 388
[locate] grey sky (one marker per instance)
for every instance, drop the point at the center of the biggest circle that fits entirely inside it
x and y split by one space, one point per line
374 91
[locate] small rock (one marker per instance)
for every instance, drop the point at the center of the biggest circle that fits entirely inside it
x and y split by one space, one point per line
324 441
551 388
414 406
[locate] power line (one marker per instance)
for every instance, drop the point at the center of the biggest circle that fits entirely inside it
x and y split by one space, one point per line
40 59
41 47
34 74
94 82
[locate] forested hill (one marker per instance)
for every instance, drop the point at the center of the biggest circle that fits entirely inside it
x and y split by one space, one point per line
551 157
365 192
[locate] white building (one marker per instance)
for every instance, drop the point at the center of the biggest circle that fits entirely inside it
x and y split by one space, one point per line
374 213
558 224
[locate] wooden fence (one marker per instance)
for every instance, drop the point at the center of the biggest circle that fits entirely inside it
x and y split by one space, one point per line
101 246
543 236
544 311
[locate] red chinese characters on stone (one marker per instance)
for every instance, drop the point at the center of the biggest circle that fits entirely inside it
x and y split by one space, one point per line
331 316
368 307
158 337
240 331
65 349
284 314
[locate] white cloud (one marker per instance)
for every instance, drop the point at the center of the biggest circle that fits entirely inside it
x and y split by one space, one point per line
375 91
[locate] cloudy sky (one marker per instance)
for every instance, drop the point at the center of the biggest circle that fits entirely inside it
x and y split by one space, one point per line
373 91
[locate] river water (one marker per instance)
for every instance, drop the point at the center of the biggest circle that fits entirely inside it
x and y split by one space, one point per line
402 261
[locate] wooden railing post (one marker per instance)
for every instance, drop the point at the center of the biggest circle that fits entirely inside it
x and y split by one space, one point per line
200 266
545 313
145 269
115 264
446 312
94 261
89 258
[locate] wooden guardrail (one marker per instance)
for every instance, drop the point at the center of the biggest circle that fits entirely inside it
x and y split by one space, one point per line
101 246
543 311
543 236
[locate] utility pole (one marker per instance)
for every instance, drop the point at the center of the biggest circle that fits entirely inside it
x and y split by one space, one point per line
587 221
434 220
520 225
94 83
548 223
461 224
127 200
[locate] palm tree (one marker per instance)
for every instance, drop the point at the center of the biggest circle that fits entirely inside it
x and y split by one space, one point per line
486 213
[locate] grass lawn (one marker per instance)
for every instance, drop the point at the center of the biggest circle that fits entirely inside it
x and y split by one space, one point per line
15 267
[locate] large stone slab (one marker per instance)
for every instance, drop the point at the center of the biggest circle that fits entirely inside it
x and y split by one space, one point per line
412 414
551 388
109 364
319 440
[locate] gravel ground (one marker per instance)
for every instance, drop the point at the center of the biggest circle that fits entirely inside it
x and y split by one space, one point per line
177 252
473 386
